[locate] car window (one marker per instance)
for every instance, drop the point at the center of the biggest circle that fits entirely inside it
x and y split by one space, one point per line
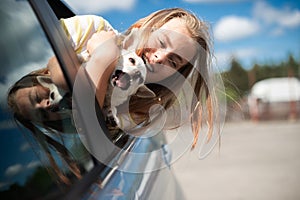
26 167
44 164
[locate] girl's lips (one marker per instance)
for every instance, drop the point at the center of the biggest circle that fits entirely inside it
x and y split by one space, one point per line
148 65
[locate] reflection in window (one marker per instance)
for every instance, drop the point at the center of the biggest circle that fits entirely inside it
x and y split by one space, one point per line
26 169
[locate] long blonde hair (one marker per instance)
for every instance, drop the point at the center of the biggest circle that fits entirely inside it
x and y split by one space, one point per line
200 78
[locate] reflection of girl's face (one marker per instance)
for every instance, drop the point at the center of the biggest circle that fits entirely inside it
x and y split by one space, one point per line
168 49
33 103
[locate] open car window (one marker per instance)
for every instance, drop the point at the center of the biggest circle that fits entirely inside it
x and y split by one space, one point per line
49 165
31 163
41 164
25 170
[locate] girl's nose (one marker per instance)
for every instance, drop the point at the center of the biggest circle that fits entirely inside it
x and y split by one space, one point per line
159 56
45 103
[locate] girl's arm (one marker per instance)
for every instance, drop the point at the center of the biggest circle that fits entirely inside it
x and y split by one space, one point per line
56 73
104 53
80 28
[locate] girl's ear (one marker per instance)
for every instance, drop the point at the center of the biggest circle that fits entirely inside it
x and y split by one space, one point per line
47 72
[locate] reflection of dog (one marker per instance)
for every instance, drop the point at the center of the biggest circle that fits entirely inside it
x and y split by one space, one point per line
55 94
127 79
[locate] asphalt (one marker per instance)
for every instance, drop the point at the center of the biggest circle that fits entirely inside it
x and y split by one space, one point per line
256 161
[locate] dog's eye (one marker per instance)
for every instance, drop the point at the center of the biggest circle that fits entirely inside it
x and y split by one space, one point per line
132 60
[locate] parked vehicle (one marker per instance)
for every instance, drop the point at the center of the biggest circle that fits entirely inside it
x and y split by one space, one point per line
275 98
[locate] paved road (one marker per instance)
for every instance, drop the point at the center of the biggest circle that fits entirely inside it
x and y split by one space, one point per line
255 162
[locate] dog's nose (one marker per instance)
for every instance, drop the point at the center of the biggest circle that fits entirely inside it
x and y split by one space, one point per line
52 96
138 76
121 79
131 60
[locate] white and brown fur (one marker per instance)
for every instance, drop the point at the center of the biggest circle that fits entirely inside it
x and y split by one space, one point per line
132 69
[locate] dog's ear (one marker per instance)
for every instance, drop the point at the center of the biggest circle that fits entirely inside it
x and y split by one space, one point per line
130 41
56 94
145 92
44 80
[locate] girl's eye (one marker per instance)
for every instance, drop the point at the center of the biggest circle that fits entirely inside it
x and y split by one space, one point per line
162 44
173 63
37 98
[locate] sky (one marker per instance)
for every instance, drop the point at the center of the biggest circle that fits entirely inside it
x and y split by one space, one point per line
251 31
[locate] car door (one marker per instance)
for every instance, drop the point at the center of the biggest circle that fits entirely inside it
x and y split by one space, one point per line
124 172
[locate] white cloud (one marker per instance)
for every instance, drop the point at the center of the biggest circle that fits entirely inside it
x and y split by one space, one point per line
18 168
98 6
33 164
13 170
233 28
285 17
277 31
21 46
24 147
15 75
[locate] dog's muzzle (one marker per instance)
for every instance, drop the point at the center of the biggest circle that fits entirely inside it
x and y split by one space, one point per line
64 104
123 80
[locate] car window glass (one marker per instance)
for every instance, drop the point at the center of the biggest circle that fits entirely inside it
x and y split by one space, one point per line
25 168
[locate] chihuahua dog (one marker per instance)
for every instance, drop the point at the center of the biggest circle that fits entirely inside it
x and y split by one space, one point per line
129 75
127 79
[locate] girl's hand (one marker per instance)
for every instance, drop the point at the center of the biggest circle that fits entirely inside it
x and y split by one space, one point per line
98 39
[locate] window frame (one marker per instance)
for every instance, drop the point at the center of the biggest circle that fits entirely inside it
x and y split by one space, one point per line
48 14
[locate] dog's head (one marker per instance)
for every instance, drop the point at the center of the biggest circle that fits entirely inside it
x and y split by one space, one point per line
130 75
55 94
130 71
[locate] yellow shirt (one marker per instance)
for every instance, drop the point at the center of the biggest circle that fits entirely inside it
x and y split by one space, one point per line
79 30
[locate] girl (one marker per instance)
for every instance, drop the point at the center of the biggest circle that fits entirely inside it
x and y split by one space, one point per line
176 48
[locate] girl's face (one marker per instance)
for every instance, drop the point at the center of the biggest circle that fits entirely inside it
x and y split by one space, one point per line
168 49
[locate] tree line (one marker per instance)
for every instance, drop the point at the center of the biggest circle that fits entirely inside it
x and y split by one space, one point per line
238 81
